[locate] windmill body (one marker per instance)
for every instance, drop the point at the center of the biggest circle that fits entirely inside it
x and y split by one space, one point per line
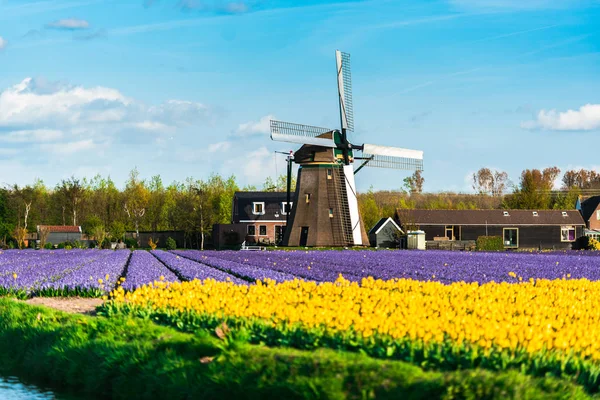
326 210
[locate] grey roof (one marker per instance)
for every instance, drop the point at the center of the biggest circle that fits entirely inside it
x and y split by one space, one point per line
242 205
381 223
263 196
490 217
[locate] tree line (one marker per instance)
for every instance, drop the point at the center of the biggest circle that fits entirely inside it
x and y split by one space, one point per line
195 205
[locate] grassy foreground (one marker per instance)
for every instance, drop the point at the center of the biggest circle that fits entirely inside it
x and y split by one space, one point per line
121 357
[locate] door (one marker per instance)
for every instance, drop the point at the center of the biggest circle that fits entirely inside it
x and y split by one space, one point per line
511 237
303 235
278 234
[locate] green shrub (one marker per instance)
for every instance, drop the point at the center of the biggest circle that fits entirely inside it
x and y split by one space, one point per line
171 244
117 230
48 246
490 243
106 243
130 243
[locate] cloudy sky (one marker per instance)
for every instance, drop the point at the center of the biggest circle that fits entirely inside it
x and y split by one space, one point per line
187 87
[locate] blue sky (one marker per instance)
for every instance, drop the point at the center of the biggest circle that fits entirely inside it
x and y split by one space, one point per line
186 87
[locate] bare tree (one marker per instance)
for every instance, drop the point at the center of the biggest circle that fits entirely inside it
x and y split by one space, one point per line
44 231
414 183
486 181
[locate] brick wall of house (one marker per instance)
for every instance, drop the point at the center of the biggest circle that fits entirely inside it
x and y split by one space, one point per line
269 232
594 222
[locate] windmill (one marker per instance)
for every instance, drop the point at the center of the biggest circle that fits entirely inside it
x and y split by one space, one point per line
326 212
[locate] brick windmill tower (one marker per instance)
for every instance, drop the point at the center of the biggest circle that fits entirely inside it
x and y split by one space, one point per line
326 209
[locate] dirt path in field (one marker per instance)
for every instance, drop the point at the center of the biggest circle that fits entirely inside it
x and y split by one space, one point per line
75 305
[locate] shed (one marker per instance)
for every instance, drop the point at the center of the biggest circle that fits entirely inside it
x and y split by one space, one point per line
61 233
385 233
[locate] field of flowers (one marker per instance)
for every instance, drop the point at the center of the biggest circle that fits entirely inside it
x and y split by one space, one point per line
539 313
97 272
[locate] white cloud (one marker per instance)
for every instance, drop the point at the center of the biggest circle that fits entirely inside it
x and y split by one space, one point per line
69 24
70 147
585 119
36 135
257 166
3 43
219 147
153 126
263 126
36 104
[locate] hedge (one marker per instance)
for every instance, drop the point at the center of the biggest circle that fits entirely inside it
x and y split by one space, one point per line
490 243
125 358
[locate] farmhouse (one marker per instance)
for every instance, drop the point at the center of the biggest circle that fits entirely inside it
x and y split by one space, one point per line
61 233
530 229
258 217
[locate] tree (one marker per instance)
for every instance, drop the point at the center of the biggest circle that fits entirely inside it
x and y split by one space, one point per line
99 234
44 231
136 200
90 224
117 230
73 192
414 183
534 189
369 210
486 181
20 234
582 179
156 203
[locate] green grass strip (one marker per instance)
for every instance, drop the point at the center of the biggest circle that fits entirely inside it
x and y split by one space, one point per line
445 356
124 358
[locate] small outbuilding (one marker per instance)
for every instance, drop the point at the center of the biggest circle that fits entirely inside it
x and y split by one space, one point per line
385 233
59 233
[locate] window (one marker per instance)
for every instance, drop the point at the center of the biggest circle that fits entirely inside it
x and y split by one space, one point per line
598 215
567 233
258 208
329 173
511 237
307 197
262 230
331 213
251 230
285 207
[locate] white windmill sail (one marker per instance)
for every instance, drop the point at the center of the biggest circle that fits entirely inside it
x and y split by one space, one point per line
392 157
300 134
344 78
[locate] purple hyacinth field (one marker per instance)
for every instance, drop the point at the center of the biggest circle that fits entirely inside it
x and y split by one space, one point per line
442 266
96 272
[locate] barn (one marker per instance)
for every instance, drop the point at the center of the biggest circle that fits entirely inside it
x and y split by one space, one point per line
519 229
